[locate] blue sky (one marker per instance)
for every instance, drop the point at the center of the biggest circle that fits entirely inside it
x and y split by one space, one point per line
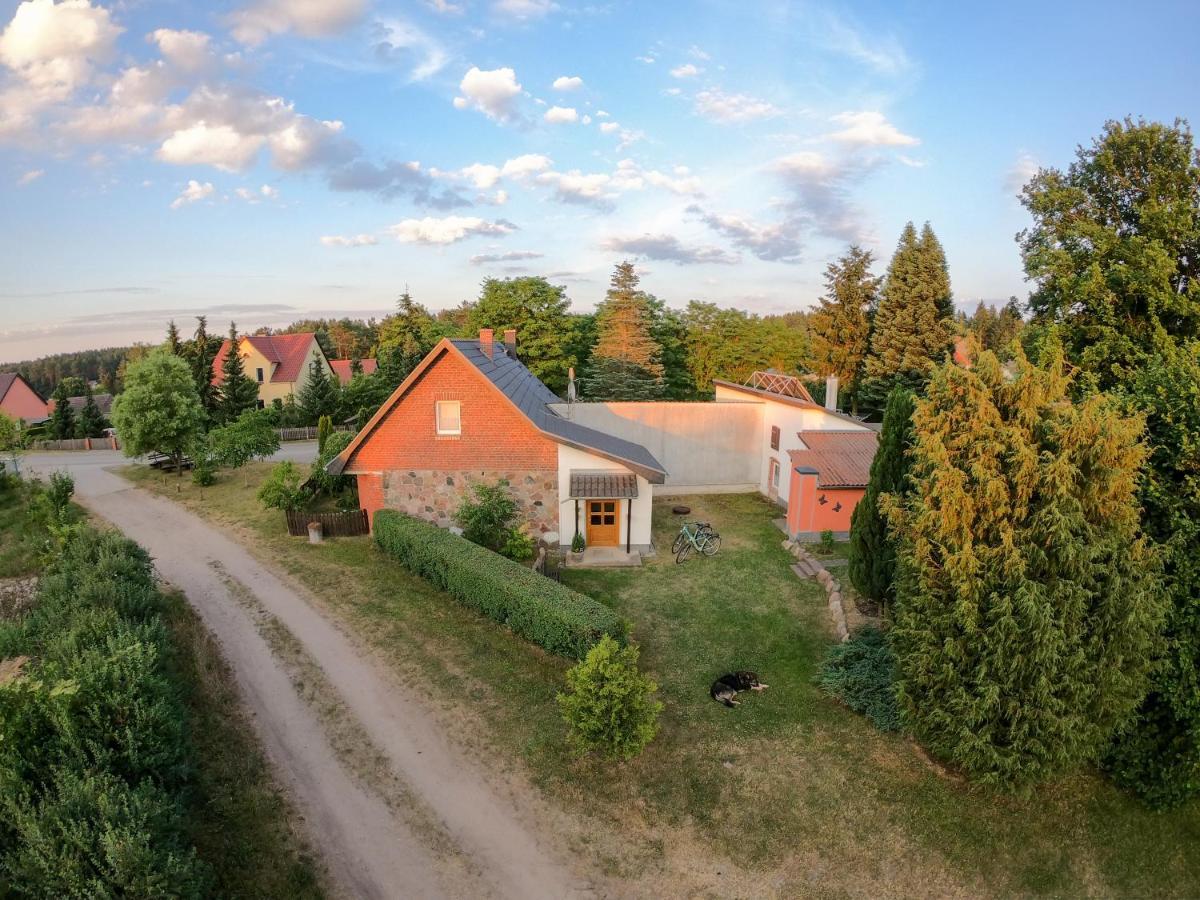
266 159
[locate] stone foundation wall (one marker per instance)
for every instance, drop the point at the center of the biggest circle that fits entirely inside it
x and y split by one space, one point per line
435 495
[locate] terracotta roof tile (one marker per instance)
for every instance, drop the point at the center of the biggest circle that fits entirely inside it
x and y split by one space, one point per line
841 458
288 351
342 368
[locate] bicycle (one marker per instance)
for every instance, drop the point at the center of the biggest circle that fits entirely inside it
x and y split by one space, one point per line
698 536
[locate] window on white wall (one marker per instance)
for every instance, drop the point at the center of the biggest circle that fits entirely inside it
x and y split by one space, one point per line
775 474
449 417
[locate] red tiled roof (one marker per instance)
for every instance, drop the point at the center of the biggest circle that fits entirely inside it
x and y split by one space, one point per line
342 368
287 351
841 458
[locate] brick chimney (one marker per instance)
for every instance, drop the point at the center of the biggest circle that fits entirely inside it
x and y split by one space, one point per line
510 341
831 392
485 341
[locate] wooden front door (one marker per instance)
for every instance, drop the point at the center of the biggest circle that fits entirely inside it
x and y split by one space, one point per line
603 523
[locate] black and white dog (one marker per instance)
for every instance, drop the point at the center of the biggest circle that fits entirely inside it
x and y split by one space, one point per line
727 687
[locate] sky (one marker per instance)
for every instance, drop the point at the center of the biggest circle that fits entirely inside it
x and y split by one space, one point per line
265 160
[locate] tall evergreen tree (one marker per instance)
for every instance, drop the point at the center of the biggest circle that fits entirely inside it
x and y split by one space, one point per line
872 562
538 311
627 361
202 351
91 421
237 392
840 327
319 395
62 419
912 326
173 343
1027 609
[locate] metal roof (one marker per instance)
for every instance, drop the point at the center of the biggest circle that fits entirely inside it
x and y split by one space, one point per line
594 485
842 459
532 397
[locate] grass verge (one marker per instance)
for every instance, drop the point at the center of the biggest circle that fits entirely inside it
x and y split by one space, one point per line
790 794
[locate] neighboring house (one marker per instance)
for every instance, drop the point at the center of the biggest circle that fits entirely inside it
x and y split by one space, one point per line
103 402
18 400
471 412
344 368
278 362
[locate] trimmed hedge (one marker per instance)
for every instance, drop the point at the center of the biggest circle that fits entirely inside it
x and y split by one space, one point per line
540 610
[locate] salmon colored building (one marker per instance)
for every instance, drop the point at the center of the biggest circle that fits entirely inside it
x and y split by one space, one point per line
18 400
828 478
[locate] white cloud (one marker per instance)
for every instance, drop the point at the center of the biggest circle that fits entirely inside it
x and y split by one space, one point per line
493 92
1019 174
525 165
687 70
610 127
567 83
309 18
524 9
352 240
579 187
883 54
192 193
669 248
221 146
52 48
649 59
631 176
30 177
445 7
266 192
778 242
601 114
186 50
820 193
511 256
698 53
269 192
726 109
446 231
560 115
402 42
870 129
481 175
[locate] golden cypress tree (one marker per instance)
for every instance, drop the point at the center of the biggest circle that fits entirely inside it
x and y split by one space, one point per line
1028 608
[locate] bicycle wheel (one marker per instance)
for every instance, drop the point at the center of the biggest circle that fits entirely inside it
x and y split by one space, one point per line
712 543
684 552
679 539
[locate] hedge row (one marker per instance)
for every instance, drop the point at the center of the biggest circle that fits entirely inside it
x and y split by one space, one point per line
542 611
94 758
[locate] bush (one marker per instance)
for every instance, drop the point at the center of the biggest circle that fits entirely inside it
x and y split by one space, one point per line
282 488
518 545
862 674
488 518
609 705
320 480
538 609
59 493
324 430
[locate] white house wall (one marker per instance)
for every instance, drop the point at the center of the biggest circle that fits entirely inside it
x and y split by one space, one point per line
705 447
580 460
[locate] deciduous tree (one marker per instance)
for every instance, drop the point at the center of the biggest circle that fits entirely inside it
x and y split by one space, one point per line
159 410
539 311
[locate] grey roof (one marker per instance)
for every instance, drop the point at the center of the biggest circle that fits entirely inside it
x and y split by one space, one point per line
530 396
103 401
603 485
6 381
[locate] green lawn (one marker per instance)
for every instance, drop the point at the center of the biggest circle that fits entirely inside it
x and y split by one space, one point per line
790 794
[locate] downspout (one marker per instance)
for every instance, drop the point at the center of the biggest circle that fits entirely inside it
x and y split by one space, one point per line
628 525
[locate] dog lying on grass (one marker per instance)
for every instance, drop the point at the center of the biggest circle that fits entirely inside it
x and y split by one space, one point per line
727 687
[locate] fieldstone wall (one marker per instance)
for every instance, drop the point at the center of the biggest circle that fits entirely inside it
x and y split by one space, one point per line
435 495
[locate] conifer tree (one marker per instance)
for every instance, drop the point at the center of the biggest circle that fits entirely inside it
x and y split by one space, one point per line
173 343
91 420
237 392
319 395
627 361
839 328
62 419
911 330
202 352
872 562
1027 609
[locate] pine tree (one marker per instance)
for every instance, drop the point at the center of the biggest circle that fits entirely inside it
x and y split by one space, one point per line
872 562
840 327
237 392
202 351
319 395
911 330
62 419
627 361
173 343
91 421
1027 610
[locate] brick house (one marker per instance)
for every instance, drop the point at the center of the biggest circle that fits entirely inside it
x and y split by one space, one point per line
470 413
18 400
278 362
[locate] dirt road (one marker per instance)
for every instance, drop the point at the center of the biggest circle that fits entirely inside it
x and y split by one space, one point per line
453 834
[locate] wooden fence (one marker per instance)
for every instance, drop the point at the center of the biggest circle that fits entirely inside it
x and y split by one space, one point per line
100 443
303 434
333 524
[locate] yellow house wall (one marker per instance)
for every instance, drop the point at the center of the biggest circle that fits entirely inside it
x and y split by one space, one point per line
270 390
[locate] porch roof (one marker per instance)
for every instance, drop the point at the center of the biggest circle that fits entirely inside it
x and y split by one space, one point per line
592 485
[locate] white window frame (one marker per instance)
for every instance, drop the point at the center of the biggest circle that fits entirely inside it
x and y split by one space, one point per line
774 473
437 414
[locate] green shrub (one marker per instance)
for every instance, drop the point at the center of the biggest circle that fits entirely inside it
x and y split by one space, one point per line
862 673
577 543
609 705
324 430
282 488
319 479
488 517
204 474
59 493
518 545
538 609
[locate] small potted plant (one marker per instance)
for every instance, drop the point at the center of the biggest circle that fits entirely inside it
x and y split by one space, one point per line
577 546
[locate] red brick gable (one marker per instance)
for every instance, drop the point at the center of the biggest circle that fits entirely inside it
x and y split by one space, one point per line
495 435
